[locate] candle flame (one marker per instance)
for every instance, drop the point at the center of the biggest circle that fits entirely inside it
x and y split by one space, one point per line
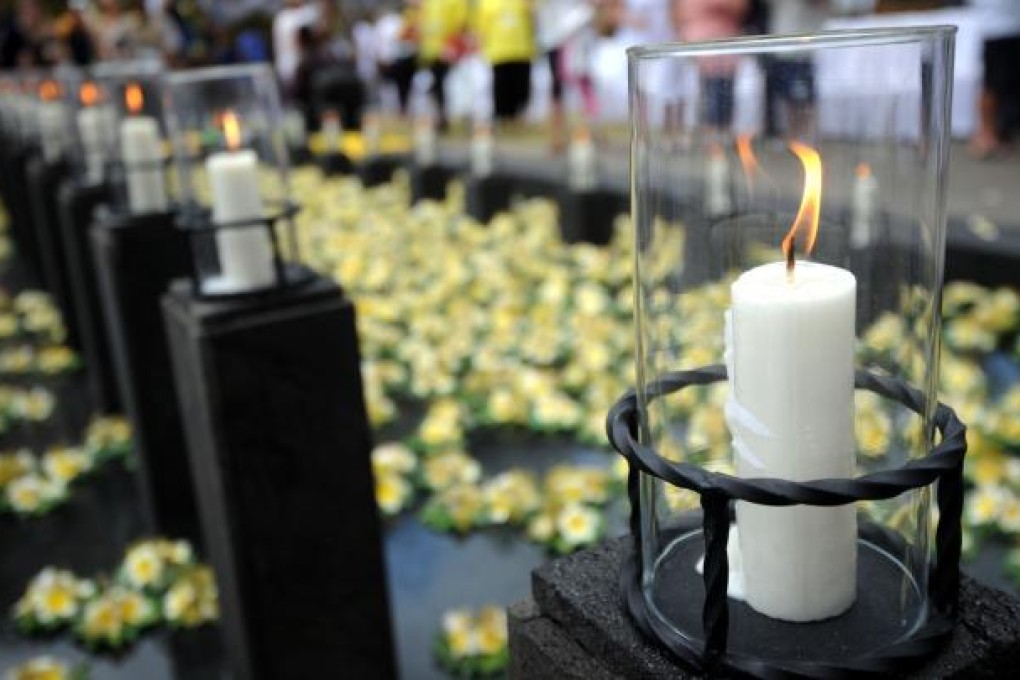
863 170
232 130
134 98
745 151
89 94
810 204
49 90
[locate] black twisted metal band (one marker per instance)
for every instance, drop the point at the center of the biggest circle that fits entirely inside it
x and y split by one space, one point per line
944 466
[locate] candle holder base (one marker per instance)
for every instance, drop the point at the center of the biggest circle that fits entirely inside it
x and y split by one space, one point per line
574 628
890 634
77 204
136 258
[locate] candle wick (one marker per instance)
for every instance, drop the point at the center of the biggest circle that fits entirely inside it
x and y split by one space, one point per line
791 254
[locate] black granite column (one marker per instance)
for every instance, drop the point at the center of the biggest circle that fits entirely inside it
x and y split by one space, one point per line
136 257
17 157
429 182
45 179
279 441
77 206
588 216
377 170
484 197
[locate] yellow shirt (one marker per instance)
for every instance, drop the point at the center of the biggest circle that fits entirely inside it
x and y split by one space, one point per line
505 30
441 20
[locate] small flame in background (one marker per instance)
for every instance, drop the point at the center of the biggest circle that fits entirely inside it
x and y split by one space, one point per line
134 98
805 225
745 151
89 94
49 91
231 130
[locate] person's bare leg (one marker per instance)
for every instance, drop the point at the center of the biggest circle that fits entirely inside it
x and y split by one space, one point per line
557 127
986 139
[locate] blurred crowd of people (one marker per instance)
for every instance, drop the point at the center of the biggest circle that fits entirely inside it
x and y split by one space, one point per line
181 32
355 50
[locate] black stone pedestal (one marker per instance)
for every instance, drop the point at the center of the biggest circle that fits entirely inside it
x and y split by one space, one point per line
300 155
279 442
136 258
44 182
575 627
16 158
77 207
429 182
484 197
588 216
336 164
377 170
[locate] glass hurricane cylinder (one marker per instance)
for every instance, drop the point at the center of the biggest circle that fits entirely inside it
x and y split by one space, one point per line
230 152
136 155
788 206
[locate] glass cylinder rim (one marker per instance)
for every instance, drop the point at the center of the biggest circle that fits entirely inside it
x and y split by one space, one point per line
758 44
209 73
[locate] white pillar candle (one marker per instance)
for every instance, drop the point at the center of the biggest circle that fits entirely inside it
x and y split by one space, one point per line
425 153
717 191
864 197
53 123
581 162
93 129
331 132
482 162
246 254
142 156
28 121
790 356
294 128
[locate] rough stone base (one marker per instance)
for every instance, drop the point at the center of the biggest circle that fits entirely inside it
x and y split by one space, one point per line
575 627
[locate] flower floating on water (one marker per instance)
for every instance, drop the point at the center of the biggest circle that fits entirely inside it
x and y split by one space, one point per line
577 526
193 600
115 618
34 494
64 464
46 668
446 469
393 492
151 565
473 644
108 437
456 508
53 599
511 497
158 582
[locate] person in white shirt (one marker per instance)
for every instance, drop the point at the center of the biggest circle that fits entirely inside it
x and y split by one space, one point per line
295 15
790 80
559 21
999 103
